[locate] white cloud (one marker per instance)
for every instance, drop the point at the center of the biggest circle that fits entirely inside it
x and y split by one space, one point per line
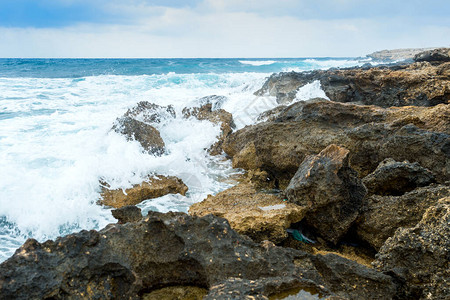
220 32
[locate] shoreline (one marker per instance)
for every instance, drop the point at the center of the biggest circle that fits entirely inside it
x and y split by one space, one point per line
333 172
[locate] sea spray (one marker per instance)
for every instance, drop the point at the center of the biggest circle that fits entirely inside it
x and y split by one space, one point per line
56 141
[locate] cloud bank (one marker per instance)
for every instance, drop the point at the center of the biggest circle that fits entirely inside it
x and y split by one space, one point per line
219 28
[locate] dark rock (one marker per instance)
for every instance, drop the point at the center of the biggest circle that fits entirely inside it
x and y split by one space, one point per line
215 101
147 135
421 255
273 287
330 190
148 112
419 84
284 86
154 187
396 178
372 134
126 261
219 116
435 55
177 293
125 214
383 215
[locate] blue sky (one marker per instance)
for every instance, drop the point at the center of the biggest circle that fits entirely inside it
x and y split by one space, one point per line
218 28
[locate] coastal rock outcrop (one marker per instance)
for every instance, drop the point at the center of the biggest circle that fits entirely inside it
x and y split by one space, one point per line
420 255
419 84
370 133
128 213
147 135
330 191
217 116
396 178
127 261
434 55
154 187
383 215
259 215
136 124
149 113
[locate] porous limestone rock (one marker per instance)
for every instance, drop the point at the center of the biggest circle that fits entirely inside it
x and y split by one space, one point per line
383 215
396 178
420 255
156 186
330 190
259 215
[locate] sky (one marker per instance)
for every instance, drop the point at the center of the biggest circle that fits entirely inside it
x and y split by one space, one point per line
218 28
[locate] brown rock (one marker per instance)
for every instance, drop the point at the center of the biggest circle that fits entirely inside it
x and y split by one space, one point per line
383 215
420 84
420 255
396 178
126 261
330 191
258 215
218 116
147 135
149 113
125 214
177 293
372 134
154 187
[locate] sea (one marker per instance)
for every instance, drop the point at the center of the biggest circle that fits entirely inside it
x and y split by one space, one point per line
56 141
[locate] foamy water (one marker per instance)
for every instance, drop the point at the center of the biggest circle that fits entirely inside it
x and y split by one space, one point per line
56 144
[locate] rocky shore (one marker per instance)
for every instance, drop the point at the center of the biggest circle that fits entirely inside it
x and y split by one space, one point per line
342 198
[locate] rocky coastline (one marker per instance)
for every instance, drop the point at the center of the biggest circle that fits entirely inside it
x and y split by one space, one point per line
342 198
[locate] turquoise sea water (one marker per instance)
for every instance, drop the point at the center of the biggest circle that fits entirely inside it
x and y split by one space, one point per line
56 143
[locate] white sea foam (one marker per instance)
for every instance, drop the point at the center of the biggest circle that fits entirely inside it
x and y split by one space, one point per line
257 62
309 91
56 143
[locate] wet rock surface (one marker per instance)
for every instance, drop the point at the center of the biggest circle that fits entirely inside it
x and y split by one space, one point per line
330 190
147 135
149 113
126 261
396 178
371 134
156 186
420 255
383 215
420 83
259 215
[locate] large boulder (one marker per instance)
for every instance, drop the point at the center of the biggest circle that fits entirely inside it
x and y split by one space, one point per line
434 55
372 134
383 215
396 178
150 113
216 116
153 187
147 135
330 191
418 84
421 255
126 261
261 216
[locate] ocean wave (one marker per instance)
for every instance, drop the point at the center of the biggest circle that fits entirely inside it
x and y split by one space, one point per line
257 62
